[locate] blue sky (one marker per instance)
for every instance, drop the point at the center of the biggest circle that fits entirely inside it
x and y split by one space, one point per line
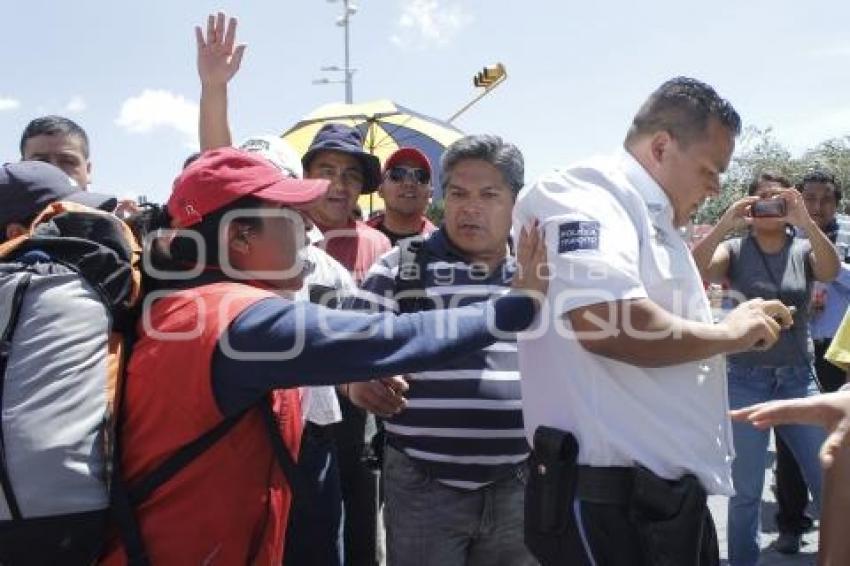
577 70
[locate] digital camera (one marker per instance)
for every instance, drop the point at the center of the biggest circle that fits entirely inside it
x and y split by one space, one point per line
768 208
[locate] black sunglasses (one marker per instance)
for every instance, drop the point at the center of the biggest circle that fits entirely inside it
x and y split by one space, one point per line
398 174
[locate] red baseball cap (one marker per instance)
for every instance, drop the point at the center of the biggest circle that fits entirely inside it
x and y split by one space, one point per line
407 154
221 176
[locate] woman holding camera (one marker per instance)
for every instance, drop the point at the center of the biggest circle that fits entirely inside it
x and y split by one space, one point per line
768 262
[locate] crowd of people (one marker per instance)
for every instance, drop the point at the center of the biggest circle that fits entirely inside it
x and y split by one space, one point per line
250 373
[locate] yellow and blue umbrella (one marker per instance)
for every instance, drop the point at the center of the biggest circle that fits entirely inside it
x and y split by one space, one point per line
385 126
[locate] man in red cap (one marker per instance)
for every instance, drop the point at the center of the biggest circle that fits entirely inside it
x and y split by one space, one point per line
406 190
210 409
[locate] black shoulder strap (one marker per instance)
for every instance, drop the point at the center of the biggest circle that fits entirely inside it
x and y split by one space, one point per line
125 499
284 458
143 489
410 280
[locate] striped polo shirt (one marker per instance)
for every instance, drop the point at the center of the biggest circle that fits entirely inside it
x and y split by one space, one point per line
463 420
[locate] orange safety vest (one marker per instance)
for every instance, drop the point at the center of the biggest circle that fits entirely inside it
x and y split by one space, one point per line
230 505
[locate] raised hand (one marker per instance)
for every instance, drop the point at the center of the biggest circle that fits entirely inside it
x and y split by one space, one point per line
218 56
797 214
737 215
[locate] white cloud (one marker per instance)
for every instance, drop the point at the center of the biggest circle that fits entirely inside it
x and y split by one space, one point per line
75 105
427 23
156 109
9 103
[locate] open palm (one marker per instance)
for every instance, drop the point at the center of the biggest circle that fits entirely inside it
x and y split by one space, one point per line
218 56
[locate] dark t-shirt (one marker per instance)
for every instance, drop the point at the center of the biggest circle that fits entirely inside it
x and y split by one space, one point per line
394 237
755 274
378 224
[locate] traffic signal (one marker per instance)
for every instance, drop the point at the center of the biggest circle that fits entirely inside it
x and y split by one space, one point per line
489 76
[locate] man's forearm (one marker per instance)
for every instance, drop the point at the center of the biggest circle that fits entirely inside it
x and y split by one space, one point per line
643 334
213 127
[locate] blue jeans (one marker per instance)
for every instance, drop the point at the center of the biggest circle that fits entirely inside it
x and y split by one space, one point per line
747 386
314 533
431 524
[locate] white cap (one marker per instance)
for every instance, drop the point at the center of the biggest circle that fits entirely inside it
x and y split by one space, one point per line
284 157
276 150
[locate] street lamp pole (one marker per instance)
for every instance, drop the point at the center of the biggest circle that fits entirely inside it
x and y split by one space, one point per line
344 21
349 96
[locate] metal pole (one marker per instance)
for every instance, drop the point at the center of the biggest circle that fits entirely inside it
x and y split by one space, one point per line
349 97
469 105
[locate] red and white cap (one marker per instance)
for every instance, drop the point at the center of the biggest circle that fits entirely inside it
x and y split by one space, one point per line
407 154
221 176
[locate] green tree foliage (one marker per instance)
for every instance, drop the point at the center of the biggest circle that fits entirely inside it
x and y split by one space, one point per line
436 211
758 150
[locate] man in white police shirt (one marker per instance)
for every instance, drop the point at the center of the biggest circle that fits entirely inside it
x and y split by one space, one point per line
624 388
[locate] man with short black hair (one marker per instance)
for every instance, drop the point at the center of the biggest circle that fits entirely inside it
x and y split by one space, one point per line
406 190
61 142
624 387
821 195
455 457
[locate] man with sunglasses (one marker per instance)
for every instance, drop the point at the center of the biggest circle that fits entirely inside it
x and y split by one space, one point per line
406 190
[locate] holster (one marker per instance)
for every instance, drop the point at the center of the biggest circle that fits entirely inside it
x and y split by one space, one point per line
551 533
672 520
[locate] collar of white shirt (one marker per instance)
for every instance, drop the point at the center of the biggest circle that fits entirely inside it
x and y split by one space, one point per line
656 199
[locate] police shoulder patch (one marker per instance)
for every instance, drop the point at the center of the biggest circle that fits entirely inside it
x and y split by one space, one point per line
578 235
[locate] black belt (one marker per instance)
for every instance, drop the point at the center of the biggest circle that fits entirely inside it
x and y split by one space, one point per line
313 430
611 486
608 485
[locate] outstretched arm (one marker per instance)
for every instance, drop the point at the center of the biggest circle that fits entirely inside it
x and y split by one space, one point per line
832 411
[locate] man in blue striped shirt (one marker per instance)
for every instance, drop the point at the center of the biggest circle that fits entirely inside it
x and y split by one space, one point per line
454 466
